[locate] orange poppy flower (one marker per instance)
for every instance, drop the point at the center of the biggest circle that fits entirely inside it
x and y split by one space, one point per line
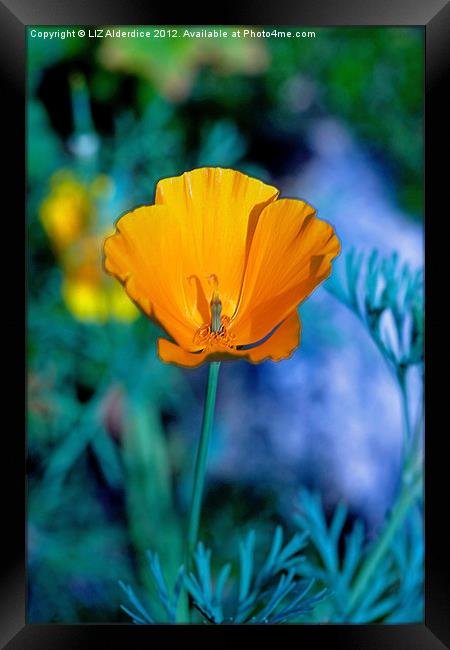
221 264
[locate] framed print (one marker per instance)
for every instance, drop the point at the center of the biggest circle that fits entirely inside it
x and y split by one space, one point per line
225 235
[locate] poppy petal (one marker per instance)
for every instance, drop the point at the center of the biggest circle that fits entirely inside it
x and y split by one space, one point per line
290 255
144 254
173 353
280 345
217 211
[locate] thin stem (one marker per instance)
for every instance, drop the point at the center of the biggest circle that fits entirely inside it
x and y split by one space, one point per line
406 499
406 417
411 488
416 434
200 462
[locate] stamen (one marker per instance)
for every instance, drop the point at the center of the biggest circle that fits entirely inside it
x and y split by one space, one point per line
216 311
215 304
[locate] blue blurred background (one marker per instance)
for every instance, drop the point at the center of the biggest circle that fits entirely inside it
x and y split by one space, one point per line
336 120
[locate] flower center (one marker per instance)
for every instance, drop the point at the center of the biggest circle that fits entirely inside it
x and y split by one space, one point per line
215 333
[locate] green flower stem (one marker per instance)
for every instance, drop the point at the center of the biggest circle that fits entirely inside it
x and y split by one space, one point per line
406 417
200 462
411 490
417 431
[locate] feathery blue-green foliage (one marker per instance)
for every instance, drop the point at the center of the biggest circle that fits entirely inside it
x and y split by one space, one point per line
169 601
336 560
273 593
387 297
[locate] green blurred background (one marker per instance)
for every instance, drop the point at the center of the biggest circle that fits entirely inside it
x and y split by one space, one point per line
112 430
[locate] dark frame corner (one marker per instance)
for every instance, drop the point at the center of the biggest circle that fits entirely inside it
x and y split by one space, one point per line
15 16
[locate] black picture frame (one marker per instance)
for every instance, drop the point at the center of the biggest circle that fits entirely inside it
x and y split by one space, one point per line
15 16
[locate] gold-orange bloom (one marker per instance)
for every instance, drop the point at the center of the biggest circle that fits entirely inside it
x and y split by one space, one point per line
221 264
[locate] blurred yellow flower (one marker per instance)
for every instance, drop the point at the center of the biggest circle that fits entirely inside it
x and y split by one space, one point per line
65 212
97 304
69 215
